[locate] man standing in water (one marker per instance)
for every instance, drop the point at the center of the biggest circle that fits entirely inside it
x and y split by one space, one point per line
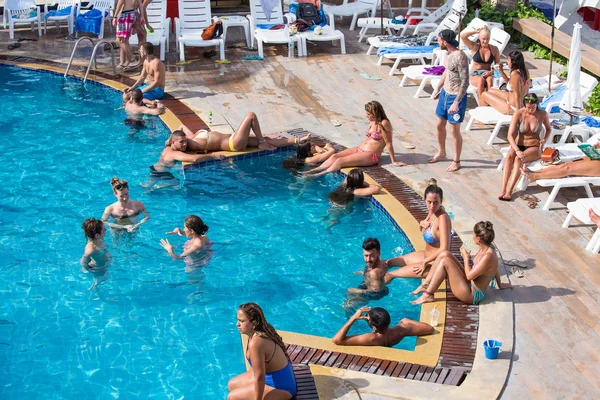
373 286
452 94
154 68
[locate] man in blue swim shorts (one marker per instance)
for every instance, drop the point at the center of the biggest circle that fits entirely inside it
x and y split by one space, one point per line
155 69
452 95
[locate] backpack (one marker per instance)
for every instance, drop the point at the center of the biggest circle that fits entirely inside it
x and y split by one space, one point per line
213 31
308 12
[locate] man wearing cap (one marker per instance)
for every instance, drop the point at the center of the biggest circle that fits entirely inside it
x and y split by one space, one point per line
452 94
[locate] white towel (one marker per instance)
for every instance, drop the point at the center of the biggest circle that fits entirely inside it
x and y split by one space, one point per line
268 6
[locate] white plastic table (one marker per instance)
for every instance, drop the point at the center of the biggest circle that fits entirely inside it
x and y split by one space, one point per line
233 21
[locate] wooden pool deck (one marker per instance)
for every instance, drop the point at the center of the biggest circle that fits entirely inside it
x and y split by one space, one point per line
556 303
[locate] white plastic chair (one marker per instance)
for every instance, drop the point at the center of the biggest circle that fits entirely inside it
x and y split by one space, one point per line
329 34
69 19
354 9
257 16
194 17
429 22
157 18
580 210
13 9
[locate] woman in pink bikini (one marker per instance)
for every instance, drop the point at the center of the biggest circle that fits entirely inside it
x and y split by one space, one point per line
379 135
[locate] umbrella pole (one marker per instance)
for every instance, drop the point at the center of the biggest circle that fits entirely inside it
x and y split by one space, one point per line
381 10
551 44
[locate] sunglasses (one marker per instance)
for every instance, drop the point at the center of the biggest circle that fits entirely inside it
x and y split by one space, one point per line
120 186
530 99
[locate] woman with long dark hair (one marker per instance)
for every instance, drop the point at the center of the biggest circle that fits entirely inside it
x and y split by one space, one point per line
271 375
354 186
368 153
307 153
517 84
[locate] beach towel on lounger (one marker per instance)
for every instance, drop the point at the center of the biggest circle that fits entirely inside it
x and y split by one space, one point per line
58 13
557 95
90 21
406 50
405 40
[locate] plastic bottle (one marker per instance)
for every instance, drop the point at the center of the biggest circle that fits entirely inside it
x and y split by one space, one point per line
210 118
477 13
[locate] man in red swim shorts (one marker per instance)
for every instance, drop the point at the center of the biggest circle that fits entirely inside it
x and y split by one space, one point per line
129 22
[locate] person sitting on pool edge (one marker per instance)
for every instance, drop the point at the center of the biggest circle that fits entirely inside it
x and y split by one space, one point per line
373 286
161 171
307 153
154 68
136 108
204 141
379 320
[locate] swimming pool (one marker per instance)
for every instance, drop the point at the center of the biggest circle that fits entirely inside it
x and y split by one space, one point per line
151 329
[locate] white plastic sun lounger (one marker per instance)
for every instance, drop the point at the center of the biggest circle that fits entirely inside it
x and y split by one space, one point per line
329 34
353 10
580 210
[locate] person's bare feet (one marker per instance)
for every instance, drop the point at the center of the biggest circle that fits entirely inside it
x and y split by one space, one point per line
266 146
455 166
438 156
595 217
527 174
425 298
504 197
420 289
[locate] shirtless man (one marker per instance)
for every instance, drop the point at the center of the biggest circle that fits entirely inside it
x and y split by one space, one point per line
154 68
382 335
452 103
373 286
161 171
136 109
129 21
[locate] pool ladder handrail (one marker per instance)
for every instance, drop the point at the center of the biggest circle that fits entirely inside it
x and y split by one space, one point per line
93 57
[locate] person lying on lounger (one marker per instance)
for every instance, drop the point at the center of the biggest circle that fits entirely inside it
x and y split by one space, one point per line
205 141
379 320
176 151
581 167
368 153
468 284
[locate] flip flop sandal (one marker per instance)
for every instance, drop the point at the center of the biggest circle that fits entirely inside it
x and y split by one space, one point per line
517 272
225 61
335 122
184 62
14 46
370 78
532 204
408 145
29 39
252 58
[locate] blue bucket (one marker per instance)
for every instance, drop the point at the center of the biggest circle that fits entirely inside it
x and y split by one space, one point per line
491 348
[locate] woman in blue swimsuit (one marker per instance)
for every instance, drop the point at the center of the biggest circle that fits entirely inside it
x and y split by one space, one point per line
271 375
436 230
467 285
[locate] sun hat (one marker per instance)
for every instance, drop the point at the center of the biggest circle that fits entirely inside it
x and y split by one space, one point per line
449 36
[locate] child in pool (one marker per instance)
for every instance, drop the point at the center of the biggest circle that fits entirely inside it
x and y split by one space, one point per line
95 255
195 250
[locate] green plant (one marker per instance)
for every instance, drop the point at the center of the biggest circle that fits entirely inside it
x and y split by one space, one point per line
593 102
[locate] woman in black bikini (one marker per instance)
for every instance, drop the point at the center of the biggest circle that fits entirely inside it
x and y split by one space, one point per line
527 125
484 55
124 212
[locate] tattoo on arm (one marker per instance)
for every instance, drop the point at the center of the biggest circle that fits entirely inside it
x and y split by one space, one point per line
463 71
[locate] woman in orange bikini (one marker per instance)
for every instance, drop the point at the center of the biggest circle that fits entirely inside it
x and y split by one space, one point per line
368 153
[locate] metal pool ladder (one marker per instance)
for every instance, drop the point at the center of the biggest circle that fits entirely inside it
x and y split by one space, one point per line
93 57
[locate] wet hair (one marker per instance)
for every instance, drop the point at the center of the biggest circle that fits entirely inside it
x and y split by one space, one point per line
376 109
531 98
148 47
370 244
126 96
196 224
433 188
302 153
484 230
379 318
518 63
260 325
118 184
177 133
344 193
92 227
137 96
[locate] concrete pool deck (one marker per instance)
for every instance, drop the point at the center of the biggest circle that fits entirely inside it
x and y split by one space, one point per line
557 303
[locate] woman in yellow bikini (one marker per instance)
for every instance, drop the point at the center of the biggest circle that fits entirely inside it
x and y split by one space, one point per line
468 285
205 141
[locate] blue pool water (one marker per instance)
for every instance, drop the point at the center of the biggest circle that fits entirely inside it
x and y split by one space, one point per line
151 329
